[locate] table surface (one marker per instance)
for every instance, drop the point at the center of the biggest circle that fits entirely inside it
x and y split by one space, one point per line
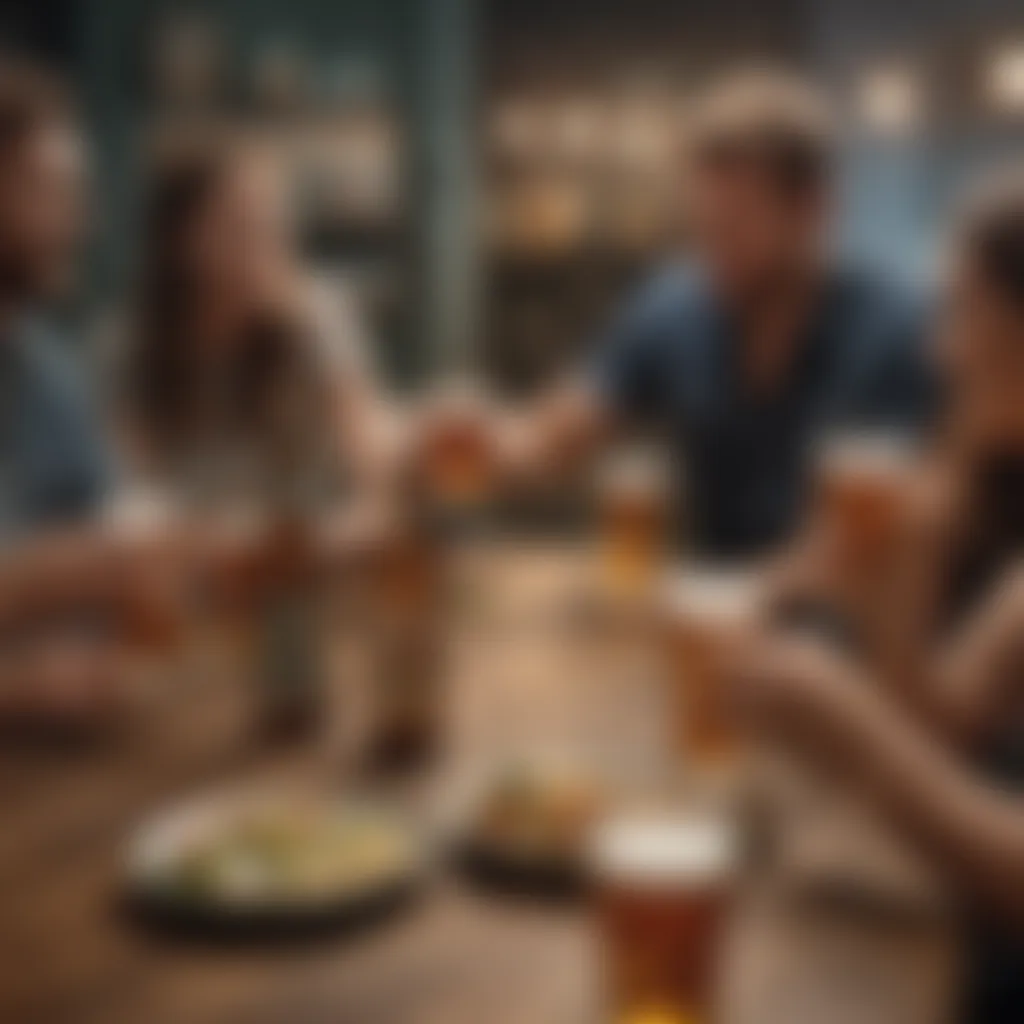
525 674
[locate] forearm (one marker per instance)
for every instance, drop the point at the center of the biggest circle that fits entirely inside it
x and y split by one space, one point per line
64 680
554 436
978 676
373 438
966 826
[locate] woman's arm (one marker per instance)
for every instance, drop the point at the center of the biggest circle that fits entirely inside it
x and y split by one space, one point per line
960 683
964 680
554 435
367 426
977 676
823 705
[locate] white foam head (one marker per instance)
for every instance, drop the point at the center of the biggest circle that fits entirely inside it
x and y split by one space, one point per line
866 453
712 593
685 852
634 471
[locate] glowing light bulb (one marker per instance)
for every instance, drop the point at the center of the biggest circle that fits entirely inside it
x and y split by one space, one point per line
890 100
1005 76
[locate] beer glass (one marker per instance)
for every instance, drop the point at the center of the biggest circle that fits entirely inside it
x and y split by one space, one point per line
663 894
458 460
632 509
861 483
148 559
704 614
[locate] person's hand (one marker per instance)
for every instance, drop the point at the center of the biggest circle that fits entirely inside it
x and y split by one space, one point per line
791 685
455 450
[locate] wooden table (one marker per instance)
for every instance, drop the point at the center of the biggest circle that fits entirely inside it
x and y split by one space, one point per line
524 674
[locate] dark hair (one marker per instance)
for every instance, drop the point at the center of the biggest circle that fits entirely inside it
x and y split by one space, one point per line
992 235
774 123
162 365
31 98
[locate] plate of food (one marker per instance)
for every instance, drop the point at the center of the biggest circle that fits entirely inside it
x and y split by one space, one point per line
527 827
273 864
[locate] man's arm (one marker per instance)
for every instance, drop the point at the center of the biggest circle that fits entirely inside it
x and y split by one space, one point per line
556 434
621 383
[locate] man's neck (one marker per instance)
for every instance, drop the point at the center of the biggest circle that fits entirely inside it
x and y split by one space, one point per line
773 323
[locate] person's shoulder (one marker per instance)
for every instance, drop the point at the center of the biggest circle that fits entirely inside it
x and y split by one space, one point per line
51 360
671 289
888 310
669 298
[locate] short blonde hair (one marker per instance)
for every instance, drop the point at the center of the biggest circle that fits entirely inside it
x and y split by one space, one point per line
776 123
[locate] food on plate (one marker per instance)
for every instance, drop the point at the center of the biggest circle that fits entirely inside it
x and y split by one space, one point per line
537 812
282 854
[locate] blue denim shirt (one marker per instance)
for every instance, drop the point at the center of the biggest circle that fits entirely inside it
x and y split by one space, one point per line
671 359
53 463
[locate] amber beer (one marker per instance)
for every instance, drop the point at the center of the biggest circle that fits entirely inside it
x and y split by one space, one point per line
861 483
458 465
664 889
147 557
632 519
705 614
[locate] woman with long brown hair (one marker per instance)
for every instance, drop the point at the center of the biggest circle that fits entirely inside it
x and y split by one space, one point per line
238 371
935 735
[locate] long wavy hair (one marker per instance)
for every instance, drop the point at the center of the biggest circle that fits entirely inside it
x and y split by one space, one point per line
163 365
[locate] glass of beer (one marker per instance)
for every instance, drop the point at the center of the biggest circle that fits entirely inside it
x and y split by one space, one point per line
147 560
664 887
458 462
862 479
632 509
704 614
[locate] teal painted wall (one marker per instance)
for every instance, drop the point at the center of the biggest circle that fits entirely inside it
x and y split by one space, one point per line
424 49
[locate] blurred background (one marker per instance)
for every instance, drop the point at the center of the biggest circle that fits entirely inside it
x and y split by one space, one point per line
492 174
488 178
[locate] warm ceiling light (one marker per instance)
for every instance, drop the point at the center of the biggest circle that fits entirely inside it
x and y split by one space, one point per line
1006 78
579 128
890 100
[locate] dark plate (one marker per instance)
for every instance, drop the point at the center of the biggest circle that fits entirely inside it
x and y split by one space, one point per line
502 871
152 901
197 920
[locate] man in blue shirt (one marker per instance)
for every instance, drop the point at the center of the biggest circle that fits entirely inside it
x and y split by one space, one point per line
762 341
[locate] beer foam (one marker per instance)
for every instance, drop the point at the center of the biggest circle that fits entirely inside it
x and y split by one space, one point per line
726 592
633 471
866 451
681 851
